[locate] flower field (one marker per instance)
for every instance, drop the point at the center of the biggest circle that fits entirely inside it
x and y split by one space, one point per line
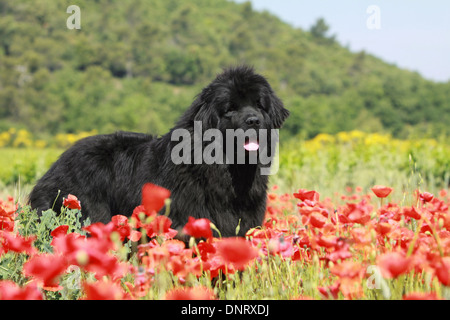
388 238
308 248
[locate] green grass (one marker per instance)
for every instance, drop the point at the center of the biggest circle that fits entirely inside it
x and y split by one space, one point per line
20 168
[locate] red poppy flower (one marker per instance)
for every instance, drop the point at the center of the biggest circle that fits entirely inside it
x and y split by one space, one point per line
198 228
236 251
103 290
317 220
159 225
100 230
393 264
174 247
442 270
72 202
124 228
383 228
195 293
330 291
8 209
6 224
280 246
11 291
60 231
304 194
327 241
421 296
357 212
205 249
182 266
17 243
412 213
46 268
93 253
361 235
351 288
340 254
381 191
347 269
4 213
216 264
67 243
102 264
426 196
137 211
135 235
153 197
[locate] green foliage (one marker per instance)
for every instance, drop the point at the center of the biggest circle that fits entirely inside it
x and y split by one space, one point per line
30 223
319 31
24 166
137 65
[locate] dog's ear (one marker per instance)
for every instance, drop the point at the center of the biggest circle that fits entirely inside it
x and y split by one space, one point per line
277 112
207 114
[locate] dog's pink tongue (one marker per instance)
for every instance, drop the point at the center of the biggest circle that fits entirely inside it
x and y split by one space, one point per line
251 146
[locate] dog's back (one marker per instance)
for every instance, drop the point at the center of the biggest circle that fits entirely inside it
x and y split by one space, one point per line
90 167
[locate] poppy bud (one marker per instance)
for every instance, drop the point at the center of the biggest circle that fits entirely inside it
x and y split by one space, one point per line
82 257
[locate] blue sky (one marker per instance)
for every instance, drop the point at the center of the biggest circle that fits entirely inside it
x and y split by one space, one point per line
413 34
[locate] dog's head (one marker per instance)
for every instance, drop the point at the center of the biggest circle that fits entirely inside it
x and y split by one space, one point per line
239 99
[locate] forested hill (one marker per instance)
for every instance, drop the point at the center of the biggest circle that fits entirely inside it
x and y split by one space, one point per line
137 64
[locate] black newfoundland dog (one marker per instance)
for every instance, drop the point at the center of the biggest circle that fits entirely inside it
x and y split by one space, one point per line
107 172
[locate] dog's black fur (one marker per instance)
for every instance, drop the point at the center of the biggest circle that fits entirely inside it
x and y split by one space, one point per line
107 172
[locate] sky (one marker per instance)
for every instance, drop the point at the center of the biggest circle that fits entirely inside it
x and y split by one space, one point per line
412 34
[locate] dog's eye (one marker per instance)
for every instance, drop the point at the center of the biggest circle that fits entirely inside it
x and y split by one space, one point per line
260 105
230 110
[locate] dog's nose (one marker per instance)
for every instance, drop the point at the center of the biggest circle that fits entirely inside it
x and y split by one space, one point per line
253 121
